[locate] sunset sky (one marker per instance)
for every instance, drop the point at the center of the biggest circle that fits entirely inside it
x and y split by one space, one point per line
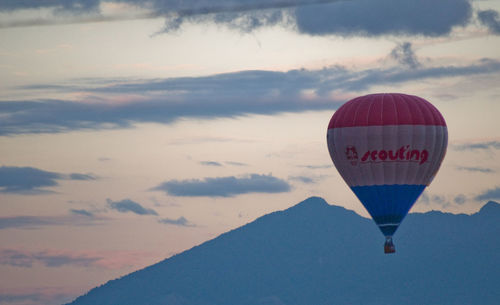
133 130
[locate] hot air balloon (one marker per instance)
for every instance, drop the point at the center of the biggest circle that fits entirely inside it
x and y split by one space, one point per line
387 147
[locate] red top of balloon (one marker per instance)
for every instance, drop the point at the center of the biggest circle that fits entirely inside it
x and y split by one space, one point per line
386 109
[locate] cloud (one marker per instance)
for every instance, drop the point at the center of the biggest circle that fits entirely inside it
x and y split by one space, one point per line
404 54
34 222
215 96
314 17
323 166
32 181
75 6
26 222
424 198
235 163
224 186
475 169
76 176
82 212
210 163
383 17
54 258
201 140
478 146
127 205
18 258
460 199
243 17
26 180
181 221
439 200
491 19
302 179
165 101
491 194
241 14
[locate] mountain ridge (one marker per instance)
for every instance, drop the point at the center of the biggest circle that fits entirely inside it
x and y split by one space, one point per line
316 253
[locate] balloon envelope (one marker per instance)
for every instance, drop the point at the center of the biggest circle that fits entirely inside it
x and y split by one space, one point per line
388 147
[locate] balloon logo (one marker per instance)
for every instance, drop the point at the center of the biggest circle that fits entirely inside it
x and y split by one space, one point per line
387 147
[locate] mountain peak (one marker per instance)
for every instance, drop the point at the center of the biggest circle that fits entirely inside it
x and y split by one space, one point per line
317 207
490 207
313 201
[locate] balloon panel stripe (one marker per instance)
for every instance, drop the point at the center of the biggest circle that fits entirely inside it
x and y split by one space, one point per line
393 154
370 111
388 204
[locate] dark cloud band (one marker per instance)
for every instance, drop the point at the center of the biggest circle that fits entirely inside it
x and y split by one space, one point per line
30 180
34 222
128 205
215 96
491 19
224 186
373 18
488 145
181 221
314 17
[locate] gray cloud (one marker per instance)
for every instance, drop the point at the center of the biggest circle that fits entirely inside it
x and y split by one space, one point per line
26 180
127 205
475 169
199 140
75 6
394 76
440 200
395 17
424 198
76 176
460 199
223 95
315 17
491 194
303 179
30 180
210 163
491 19
316 166
234 163
26 222
242 14
181 221
82 212
34 222
404 54
26 259
215 96
243 18
478 146
224 186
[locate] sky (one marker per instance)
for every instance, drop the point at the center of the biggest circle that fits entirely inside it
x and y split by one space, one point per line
133 130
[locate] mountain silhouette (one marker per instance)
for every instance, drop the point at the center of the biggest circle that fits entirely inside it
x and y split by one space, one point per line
318 254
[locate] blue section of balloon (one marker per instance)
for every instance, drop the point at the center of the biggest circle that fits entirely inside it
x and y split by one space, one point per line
388 204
